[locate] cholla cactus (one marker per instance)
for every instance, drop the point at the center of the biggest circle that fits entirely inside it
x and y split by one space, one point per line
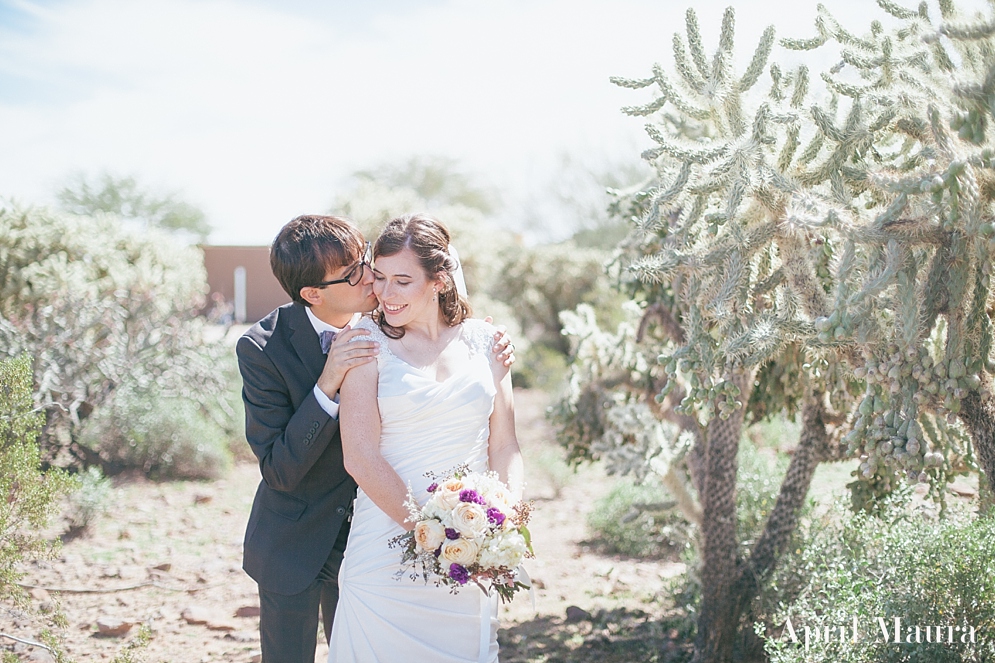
829 254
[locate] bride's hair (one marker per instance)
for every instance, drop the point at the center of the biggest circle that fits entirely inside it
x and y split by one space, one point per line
428 239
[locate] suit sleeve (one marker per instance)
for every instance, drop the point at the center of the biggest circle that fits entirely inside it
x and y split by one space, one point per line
287 441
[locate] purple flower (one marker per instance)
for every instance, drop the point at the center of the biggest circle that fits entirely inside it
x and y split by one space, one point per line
451 534
459 573
432 487
470 495
438 551
495 516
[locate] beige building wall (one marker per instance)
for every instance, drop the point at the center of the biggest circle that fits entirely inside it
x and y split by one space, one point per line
262 291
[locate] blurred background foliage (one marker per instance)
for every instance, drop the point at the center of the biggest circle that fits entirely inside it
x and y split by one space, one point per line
105 309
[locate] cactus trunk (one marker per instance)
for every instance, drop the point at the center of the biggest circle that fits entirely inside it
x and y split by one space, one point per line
978 414
719 618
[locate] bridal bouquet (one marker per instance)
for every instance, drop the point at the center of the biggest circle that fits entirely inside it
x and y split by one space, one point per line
468 530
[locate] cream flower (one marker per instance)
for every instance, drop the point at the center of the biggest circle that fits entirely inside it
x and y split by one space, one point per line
460 551
470 520
446 496
429 534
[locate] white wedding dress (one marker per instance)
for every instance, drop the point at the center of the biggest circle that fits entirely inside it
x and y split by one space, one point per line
425 426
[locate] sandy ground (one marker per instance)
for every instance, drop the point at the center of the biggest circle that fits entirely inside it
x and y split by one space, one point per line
168 555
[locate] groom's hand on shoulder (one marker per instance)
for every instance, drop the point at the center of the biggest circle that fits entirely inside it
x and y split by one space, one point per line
503 348
348 350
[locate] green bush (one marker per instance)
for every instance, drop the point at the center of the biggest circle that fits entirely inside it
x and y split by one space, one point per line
102 308
166 437
88 503
638 520
539 367
921 571
757 485
30 496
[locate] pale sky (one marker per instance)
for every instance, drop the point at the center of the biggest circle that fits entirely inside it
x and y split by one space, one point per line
257 111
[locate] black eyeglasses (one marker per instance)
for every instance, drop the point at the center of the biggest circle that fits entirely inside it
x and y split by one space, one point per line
355 274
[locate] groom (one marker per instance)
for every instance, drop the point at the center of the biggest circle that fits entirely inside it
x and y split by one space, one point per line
292 363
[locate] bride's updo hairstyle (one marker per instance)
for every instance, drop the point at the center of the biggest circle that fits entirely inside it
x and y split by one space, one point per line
428 239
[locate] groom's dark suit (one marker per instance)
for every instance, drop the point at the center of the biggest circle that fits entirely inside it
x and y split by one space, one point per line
305 494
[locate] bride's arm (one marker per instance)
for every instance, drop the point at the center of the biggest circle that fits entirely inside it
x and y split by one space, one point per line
504 454
359 421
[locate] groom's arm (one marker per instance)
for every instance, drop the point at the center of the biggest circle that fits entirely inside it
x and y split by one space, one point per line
286 440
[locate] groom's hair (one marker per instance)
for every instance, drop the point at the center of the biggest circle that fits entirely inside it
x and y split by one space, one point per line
309 247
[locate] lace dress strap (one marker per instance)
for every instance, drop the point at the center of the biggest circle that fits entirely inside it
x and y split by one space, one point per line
479 336
376 334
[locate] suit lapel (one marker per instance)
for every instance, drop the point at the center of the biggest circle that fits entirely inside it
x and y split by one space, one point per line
305 342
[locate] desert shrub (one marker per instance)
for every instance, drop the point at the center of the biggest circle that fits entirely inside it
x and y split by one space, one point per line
539 367
87 503
922 571
30 496
638 520
166 437
540 282
102 307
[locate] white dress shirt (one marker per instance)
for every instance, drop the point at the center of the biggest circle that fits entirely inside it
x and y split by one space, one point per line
329 405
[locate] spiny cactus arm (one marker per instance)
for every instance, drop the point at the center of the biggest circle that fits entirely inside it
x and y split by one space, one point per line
676 187
722 60
958 277
967 31
909 311
671 94
800 272
645 109
846 89
897 10
759 61
941 137
691 153
801 87
936 298
659 267
632 83
894 259
978 323
686 69
694 42
812 150
789 149
808 44
735 273
844 37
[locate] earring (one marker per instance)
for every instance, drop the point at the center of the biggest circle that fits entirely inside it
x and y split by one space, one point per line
433 294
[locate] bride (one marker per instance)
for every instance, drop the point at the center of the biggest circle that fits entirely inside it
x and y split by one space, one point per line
434 400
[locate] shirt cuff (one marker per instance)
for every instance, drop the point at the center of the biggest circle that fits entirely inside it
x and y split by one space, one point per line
331 406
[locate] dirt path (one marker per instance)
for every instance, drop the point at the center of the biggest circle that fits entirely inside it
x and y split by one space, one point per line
169 556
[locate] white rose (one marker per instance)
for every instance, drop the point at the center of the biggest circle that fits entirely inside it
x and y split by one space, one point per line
499 498
470 520
429 534
460 551
446 496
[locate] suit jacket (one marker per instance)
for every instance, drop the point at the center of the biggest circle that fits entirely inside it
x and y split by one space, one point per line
305 493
